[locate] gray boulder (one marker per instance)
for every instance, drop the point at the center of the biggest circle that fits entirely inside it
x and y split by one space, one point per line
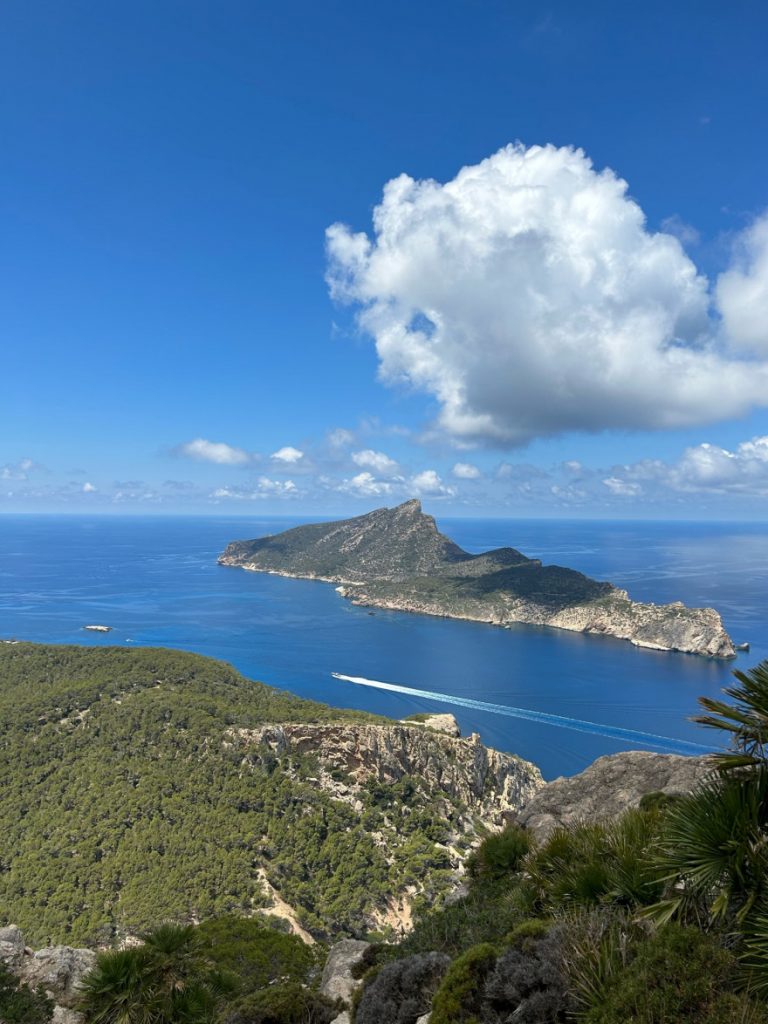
62 1015
337 981
12 946
608 787
59 970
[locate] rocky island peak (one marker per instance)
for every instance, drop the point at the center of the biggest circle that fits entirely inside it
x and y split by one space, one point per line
397 558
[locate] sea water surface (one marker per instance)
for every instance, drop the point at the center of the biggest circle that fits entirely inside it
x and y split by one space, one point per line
156 582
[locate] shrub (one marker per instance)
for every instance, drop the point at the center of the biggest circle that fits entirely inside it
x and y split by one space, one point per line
527 983
19 1004
658 801
255 953
595 950
401 991
459 998
714 843
528 932
488 912
590 864
291 1003
678 974
166 980
501 854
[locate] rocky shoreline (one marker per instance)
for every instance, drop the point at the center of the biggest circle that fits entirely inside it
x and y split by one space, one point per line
655 627
397 559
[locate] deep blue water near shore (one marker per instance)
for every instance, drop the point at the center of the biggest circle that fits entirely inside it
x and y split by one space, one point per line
156 581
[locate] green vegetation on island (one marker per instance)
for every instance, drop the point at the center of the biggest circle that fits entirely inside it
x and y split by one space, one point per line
396 558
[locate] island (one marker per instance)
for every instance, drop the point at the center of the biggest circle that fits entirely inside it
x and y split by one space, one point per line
396 558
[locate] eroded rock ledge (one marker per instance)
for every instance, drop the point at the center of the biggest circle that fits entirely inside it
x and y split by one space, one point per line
487 782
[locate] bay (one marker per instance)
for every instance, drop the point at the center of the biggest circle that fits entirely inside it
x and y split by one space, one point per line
156 582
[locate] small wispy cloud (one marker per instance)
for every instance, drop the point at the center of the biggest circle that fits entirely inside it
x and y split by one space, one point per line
377 461
288 454
466 471
684 232
203 450
263 488
17 470
341 438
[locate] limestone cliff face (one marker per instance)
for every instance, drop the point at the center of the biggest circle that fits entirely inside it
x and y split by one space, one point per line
487 782
610 785
464 785
396 558
670 627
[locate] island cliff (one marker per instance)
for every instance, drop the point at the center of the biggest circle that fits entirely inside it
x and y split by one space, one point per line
397 558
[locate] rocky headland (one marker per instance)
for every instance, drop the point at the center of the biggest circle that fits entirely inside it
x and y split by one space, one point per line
482 783
608 787
397 559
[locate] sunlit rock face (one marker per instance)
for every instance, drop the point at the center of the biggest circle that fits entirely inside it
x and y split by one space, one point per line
610 786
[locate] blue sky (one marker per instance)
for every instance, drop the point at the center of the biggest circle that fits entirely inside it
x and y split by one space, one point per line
176 325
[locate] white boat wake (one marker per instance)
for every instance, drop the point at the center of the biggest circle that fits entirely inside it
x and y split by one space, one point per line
643 739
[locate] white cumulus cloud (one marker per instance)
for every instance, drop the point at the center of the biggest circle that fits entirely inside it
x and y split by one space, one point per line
710 467
377 461
88 488
529 297
287 454
213 451
366 485
466 471
429 483
742 291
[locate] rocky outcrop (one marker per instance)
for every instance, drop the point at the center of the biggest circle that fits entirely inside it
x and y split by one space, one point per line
56 969
12 947
610 785
440 723
338 980
487 782
397 559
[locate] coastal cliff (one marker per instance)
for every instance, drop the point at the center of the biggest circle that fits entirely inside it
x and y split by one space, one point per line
397 559
483 783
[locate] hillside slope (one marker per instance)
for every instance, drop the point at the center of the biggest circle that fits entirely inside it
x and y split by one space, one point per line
139 785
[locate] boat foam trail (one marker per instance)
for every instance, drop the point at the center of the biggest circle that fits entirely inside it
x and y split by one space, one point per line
644 739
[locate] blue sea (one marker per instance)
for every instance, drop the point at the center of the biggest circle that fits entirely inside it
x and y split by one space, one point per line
156 582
